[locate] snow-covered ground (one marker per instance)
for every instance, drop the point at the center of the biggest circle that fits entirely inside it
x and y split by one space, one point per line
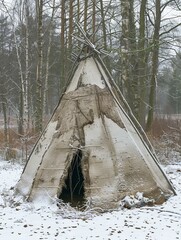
25 221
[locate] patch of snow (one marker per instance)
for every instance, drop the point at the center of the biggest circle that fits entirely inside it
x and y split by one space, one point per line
22 220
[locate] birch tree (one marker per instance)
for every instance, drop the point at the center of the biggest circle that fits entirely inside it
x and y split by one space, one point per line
50 35
128 55
23 107
26 78
62 41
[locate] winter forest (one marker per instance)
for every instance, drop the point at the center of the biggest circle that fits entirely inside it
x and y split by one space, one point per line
140 44
38 45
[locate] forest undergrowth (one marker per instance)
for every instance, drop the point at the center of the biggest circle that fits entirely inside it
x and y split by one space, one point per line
165 137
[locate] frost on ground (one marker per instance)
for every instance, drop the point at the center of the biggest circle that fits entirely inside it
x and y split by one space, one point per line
25 221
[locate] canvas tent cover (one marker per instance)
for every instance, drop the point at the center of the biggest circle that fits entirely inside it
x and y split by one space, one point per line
89 122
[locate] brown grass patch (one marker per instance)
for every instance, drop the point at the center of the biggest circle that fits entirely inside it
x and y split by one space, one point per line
166 126
16 142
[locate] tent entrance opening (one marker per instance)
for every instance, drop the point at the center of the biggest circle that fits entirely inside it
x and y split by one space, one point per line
73 191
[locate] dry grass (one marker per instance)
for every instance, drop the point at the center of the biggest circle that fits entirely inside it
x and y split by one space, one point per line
166 139
18 146
165 125
169 127
13 138
165 134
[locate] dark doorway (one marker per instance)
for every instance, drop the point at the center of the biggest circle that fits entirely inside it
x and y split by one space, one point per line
73 191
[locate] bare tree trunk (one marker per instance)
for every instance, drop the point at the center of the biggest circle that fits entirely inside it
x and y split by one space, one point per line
22 93
132 62
23 110
45 93
103 25
23 123
93 20
78 11
4 110
26 80
142 63
125 5
133 58
85 14
154 68
62 43
71 8
39 73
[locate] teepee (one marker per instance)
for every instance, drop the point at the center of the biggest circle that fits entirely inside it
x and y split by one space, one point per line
91 149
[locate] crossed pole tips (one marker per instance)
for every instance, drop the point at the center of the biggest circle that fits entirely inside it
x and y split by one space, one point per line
86 42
